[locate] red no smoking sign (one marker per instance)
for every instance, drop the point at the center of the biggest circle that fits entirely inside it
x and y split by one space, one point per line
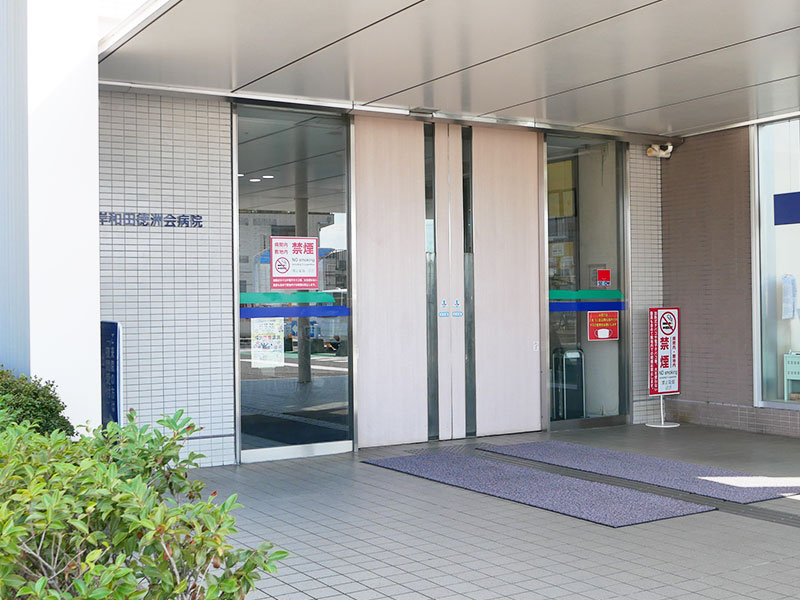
664 351
294 263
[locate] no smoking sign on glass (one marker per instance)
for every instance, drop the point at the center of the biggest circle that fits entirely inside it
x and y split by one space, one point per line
294 263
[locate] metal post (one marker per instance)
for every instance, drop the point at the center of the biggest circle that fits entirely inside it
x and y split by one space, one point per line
664 424
303 323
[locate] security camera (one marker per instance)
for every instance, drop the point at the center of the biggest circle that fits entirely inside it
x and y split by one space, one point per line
660 151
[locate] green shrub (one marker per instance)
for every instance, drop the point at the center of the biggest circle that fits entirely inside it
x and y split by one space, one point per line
114 516
31 399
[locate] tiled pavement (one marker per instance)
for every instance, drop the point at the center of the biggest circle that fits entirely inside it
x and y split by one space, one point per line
362 532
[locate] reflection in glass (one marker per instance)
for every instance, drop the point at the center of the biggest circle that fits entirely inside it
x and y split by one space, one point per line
470 390
430 278
294 327
586 377
779 199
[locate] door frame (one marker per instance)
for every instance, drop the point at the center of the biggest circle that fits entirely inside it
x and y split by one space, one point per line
296 450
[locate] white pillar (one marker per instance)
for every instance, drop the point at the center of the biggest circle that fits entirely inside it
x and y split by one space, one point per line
54 255
14 348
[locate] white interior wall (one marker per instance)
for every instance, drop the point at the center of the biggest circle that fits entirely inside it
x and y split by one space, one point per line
598 225
786 176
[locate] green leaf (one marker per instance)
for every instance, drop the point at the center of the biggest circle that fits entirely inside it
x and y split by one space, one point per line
94 555
12 581
38 587
79 525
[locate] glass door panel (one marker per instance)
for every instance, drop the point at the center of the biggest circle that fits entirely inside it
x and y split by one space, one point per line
587 367
294 332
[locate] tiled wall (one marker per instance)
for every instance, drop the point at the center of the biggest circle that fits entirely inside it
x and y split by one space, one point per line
171 287
707 272
646 272
706 218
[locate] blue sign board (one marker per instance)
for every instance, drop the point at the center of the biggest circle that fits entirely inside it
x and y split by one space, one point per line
110 371
787 208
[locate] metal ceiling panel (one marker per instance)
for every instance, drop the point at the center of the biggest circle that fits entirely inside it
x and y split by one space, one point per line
213 45
761 61
577 62
716 111
654 35
430 40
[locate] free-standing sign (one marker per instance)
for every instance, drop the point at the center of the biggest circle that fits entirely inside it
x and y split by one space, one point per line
664 351
294 263
266 342
603 325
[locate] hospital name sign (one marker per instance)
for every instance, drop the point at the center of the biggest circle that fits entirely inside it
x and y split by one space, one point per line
150 219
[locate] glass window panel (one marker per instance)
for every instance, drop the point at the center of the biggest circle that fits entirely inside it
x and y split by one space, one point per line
293 263
587 374
470 389
430 278
779 200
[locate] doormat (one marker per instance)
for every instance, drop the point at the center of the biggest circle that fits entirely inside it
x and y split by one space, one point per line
671 474
588 500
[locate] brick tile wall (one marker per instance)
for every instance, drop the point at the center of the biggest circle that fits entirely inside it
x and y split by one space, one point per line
707 273
706 221
171 288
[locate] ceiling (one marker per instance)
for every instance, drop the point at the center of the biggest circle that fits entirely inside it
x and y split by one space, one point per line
668 67
301 155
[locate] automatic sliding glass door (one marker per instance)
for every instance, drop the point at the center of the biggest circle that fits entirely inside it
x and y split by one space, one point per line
588 372
294 333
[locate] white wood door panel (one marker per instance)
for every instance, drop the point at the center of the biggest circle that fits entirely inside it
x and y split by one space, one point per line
506 245
390 388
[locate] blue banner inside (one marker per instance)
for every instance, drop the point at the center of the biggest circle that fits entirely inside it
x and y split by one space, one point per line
787 208
584 306
293 311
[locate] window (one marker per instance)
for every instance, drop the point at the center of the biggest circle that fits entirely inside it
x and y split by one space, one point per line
779 245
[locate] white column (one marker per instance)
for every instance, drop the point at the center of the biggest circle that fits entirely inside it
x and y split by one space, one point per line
14 348
49 237
63 174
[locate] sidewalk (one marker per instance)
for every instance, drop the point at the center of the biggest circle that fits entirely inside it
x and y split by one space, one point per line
362 532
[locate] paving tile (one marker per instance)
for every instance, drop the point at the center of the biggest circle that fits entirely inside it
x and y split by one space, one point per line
358 532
